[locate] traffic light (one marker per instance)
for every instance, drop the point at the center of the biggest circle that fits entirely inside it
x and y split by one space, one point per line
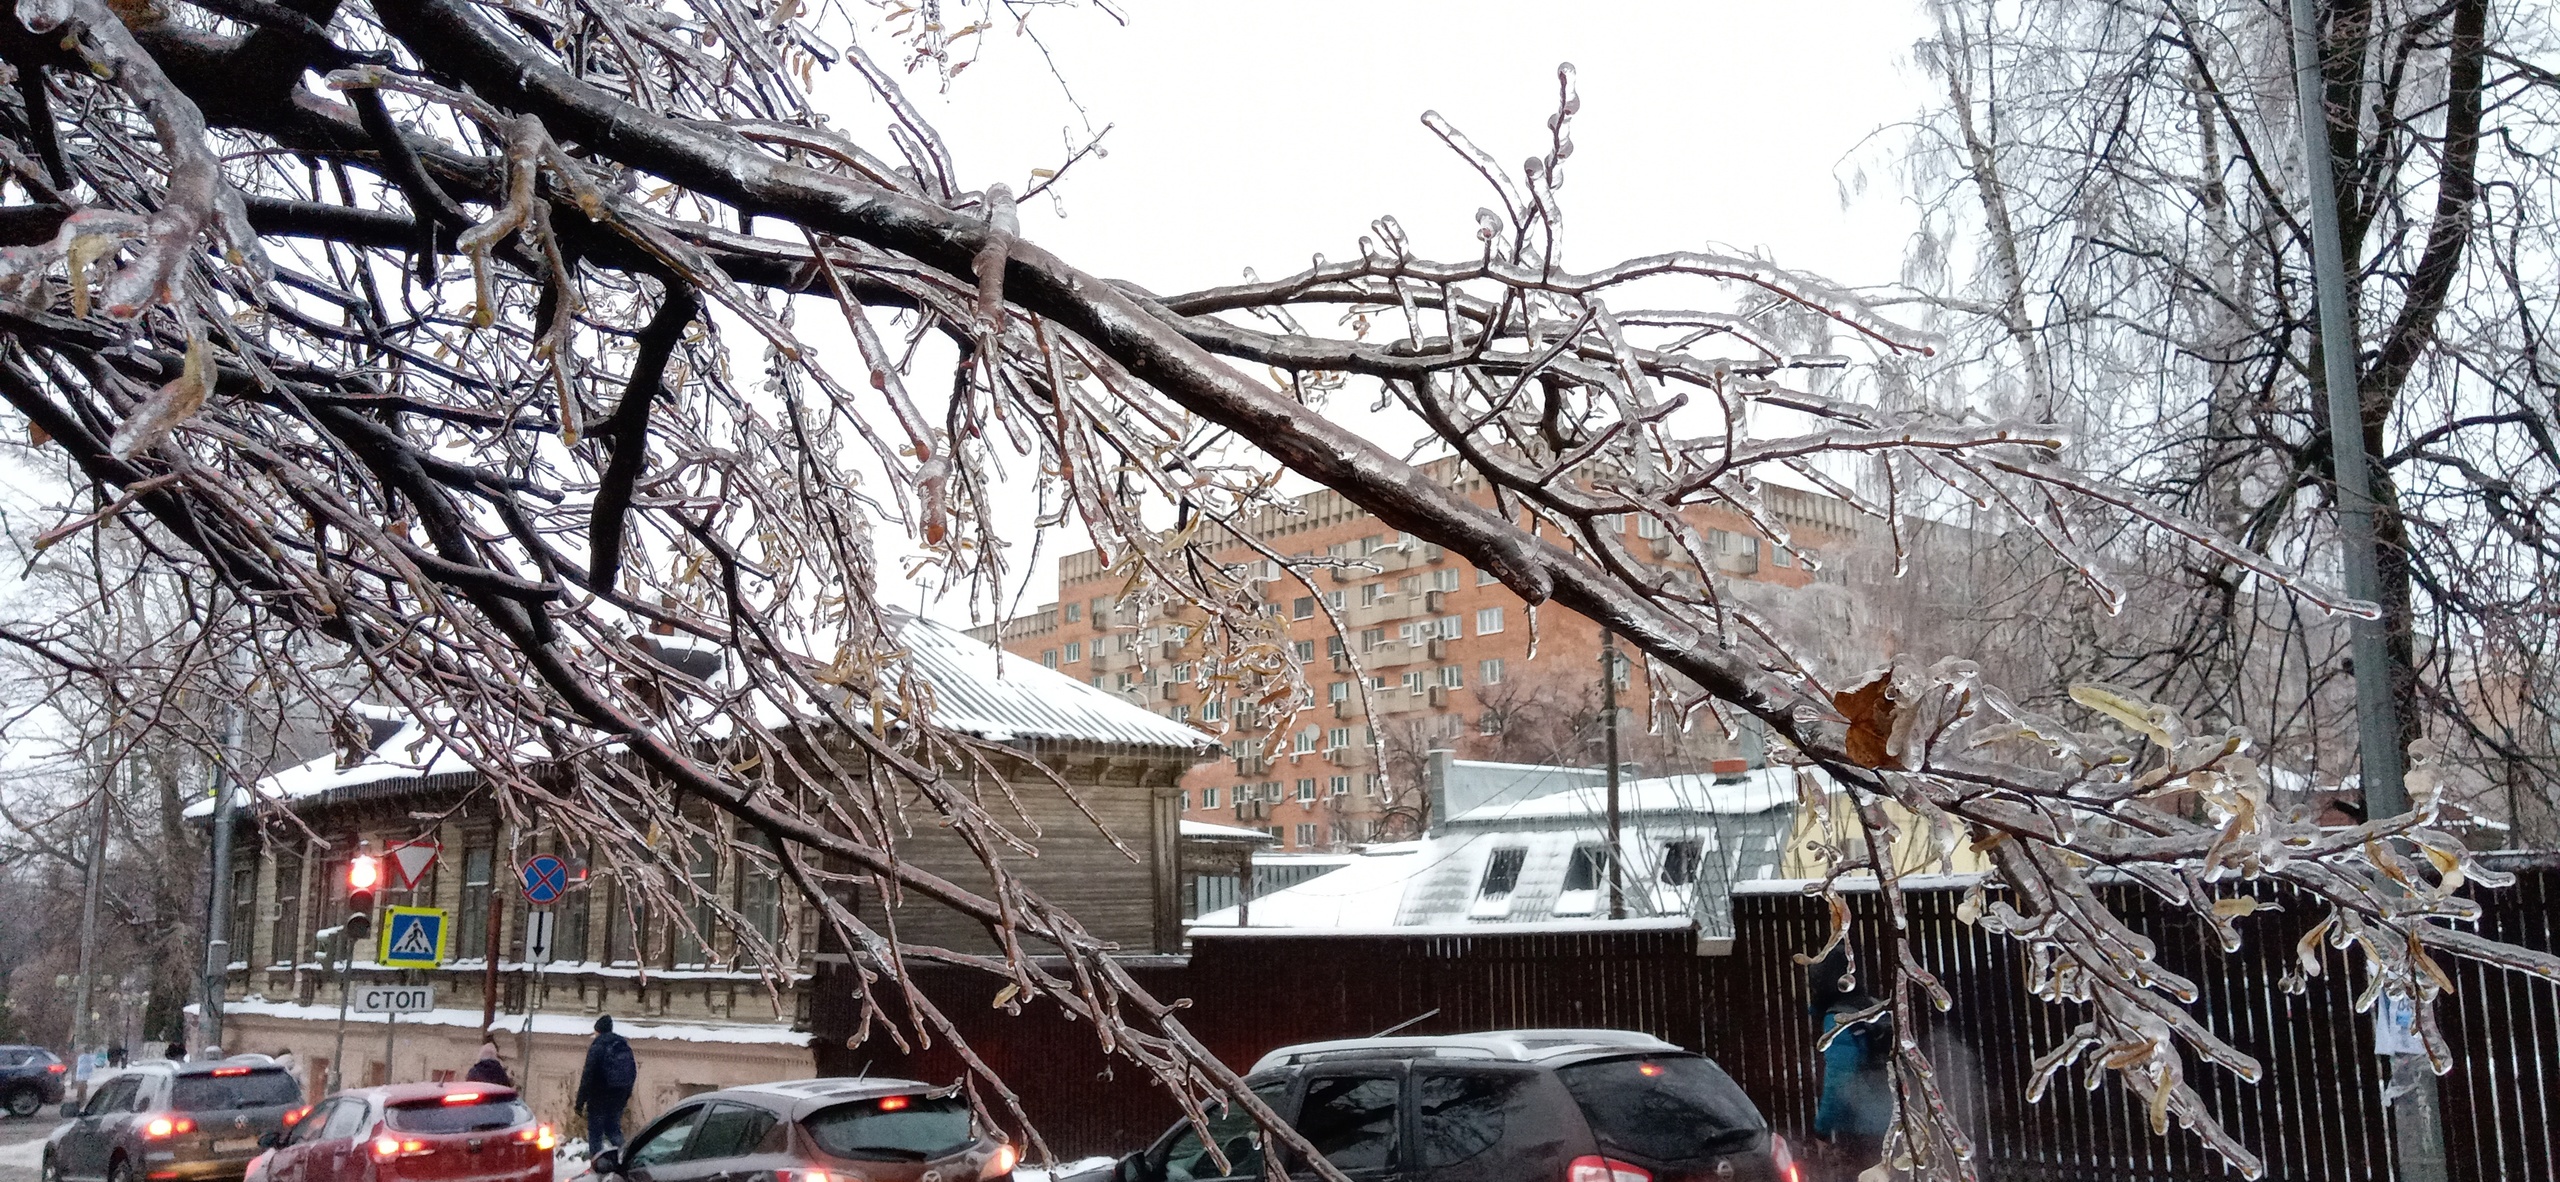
364 873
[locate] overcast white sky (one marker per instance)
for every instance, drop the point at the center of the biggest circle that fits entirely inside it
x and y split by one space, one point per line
1257 134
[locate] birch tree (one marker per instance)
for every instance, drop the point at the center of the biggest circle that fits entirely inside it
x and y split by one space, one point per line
462 340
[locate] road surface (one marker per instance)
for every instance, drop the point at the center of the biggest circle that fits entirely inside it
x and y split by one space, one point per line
22 1145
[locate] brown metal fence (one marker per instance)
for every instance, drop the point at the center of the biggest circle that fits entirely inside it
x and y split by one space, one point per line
2317 1117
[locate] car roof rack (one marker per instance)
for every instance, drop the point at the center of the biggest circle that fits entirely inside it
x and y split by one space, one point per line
1514 1046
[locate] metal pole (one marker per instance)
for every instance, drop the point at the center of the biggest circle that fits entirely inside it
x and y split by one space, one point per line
2417 1126
217 930
390 1026
346 965
489 945
90 875
1609 705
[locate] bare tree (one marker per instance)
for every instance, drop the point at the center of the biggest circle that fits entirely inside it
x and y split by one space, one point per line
453 390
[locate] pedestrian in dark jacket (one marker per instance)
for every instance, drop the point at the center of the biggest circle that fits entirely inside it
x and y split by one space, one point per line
1856 1108
605 1086
488 1069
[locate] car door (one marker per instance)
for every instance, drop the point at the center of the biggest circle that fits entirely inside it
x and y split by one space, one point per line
657 1154
83 1150
1491 1124
1354 1116
1181 1155
338 1156
726 1145
297 1153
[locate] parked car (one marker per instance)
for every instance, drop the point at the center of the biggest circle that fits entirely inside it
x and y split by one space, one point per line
438 1132
1505 1106
30 1078
172 1122
815 1130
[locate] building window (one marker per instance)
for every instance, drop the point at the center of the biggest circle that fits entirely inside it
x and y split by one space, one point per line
1339 691
1182 713
1377 785
1305 650
471 922
1338 738
1369 593
1333 646
1371 545
1278 834
1372 639
1488 621
1212 709
1333 599
1489 671
1485 576
569 932
1049 658
1589 866
1501 873
1490 723
1341 833
284 947
1303 608
1413 682
625 927
1101 609
1680 861
1444 580
1306 835
1185 797
1306 741
1307 789
1341 785
1209 797
1073 612
1409 586
1451 677
760 899
693 939
1121 682
242 933
1649 526
1075 651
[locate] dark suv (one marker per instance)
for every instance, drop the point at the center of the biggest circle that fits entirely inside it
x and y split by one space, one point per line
815 1130
169 1122
1507 1106
30 1078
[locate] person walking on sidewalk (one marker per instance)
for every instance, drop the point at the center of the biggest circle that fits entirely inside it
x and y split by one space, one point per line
605 1086
488 1069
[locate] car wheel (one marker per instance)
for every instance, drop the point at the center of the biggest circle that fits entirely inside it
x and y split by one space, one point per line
49 1172
24 1102
120 1170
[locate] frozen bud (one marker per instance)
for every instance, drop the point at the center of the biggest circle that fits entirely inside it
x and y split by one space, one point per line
1488 227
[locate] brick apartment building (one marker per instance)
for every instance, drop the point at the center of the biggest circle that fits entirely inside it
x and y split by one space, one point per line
1446 649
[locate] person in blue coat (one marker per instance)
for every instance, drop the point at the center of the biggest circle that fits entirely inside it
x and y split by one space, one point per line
1856 1107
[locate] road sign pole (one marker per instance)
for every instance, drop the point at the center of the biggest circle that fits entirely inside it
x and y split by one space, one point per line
338 1057
390 1026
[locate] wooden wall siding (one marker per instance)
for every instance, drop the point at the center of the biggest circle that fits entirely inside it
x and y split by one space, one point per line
2318 1116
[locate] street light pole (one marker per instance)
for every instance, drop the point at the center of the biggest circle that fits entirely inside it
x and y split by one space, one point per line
2416 1122
91 883
217 933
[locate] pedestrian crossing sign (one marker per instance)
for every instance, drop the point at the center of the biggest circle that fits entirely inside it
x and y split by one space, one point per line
414 937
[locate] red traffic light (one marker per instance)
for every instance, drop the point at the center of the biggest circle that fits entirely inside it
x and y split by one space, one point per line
364 872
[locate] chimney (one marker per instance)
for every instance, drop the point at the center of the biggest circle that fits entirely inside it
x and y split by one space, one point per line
1728 771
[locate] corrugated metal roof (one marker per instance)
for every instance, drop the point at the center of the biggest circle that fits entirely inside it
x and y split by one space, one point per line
1000 696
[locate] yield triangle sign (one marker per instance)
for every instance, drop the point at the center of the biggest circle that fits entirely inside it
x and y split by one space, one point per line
409 862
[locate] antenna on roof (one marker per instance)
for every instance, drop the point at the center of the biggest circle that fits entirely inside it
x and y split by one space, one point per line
1433 1012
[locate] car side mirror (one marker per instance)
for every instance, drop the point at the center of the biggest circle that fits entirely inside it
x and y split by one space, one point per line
1133 1168
70 1111
606 1163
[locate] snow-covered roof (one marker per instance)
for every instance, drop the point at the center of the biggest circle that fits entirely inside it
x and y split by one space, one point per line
1205 831
1758 790
1362 894
975 690
997 695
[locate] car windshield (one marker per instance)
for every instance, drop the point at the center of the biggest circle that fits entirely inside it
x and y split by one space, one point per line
436 1116
892 1128
1666 1108
258 1088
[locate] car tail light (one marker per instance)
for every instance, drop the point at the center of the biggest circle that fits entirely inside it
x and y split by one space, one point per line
59 1068
1782 1160
892 1103
1592 1168
231 1071
293 1116
807 1176
386 1147
161 1128
462 1097
540 1135
1001 1163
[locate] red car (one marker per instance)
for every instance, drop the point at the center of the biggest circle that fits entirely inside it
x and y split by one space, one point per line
448 1132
